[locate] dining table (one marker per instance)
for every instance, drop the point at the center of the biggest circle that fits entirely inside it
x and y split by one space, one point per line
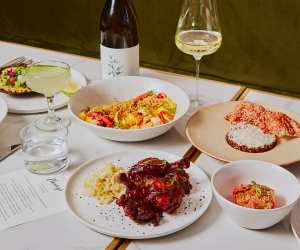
213 230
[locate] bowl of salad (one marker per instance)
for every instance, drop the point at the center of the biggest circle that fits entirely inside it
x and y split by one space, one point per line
129 108
12 80
255 194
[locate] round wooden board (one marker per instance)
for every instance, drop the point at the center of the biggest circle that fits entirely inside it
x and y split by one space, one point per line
207 128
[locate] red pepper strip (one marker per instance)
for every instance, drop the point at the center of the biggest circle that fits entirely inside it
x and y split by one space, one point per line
12 79
139 120
166 116
161 95
92 114
141 97
106 120
169 115
161 117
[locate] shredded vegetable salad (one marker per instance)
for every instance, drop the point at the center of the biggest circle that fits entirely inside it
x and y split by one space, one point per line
12 80
147 110
13 76
104 185
254 196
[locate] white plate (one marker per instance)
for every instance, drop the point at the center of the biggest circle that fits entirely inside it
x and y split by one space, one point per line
37 103
295 221
110 219
3 109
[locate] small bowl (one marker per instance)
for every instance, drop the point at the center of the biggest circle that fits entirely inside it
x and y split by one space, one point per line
285 185
124 88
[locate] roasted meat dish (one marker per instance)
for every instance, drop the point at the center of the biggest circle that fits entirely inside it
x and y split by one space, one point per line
269 122
154 186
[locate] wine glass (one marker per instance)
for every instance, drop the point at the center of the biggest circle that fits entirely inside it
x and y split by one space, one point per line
49 78
198 34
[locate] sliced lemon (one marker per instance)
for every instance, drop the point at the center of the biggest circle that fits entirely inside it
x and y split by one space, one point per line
71 88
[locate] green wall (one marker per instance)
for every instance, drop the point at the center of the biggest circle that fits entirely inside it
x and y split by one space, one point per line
261 42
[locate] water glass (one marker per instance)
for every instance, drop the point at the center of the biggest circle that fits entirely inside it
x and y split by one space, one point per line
45 151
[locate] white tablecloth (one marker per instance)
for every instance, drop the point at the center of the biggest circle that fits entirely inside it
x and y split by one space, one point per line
62 231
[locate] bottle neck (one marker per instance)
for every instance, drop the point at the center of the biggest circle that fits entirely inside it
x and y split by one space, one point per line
118 25
112 5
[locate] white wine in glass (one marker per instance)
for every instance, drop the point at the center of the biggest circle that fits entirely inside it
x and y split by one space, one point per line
198 33
49 78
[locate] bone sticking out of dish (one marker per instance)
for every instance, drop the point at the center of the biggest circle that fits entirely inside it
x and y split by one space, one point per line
249 138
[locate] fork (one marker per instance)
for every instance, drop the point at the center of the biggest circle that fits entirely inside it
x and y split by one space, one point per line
26 63
19 61
14 61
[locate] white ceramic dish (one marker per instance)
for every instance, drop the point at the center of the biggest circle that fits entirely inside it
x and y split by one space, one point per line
30 104
124 88
295 221
285 184
110 219
3 109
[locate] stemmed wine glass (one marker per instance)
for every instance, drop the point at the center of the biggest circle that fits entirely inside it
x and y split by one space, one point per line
198 34
49 78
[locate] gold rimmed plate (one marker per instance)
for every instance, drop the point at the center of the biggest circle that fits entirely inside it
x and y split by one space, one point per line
207 129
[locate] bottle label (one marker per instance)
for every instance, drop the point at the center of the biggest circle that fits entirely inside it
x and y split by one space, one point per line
119 62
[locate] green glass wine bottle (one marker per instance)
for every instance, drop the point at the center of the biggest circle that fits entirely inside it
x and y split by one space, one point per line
119 48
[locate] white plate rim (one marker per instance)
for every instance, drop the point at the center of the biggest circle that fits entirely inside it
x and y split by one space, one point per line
293 219
113 234
78 74
4 108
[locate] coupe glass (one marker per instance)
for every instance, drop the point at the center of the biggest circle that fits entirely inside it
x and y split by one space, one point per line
198 34
49 78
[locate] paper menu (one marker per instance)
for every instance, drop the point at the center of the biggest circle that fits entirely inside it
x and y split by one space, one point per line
26 197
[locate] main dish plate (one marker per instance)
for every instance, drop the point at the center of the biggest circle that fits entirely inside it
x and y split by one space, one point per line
111 220
35 103
207 130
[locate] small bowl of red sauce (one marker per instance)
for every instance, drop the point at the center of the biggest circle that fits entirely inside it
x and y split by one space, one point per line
255 194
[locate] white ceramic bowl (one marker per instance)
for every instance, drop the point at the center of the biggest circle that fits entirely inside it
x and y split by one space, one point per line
285 184
124 88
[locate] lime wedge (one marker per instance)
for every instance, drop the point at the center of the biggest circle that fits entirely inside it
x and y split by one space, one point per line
71 88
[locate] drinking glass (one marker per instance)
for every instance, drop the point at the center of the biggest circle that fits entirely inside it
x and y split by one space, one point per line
198 34
48 78
44 151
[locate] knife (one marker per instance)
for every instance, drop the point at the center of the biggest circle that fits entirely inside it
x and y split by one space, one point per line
7 151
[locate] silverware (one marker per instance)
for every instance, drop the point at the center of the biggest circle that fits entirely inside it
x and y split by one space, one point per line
7 151
14 61
19 61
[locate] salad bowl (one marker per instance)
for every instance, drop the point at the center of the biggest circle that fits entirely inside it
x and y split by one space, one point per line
284 183
121 89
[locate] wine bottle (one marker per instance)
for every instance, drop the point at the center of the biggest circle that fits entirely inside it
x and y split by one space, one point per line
119 48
